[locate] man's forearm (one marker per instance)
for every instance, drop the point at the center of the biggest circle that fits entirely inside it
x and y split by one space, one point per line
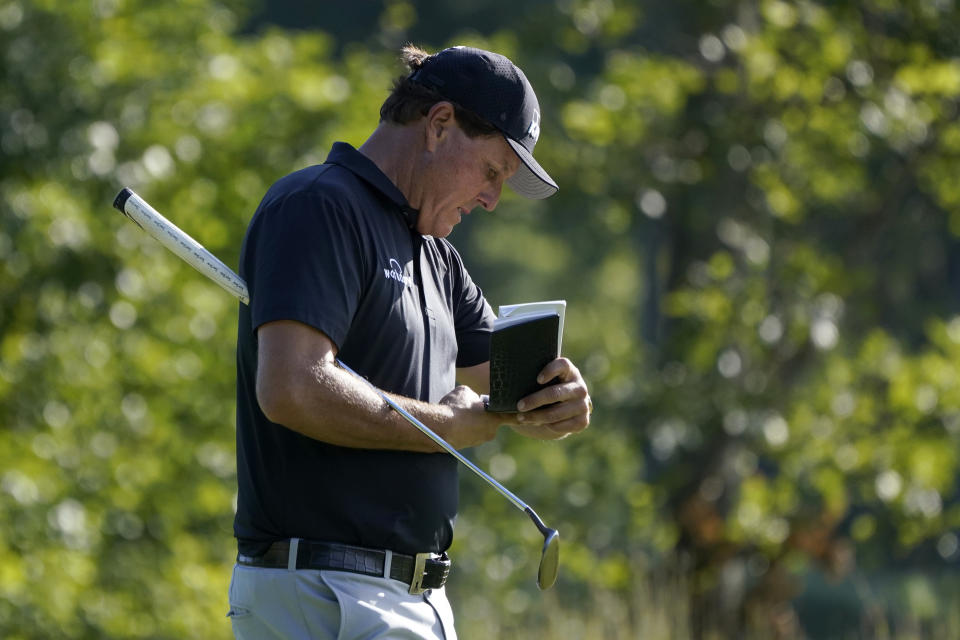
330 405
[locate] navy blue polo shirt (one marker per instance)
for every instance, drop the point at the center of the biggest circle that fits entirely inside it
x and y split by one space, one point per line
334 246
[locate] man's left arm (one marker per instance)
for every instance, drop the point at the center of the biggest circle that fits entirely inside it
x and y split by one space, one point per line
476 377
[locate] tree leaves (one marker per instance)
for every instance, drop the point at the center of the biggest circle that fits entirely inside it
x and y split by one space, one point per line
756 232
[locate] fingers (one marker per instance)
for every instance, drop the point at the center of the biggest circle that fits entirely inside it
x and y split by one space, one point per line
560 368
570 386
560 392
462 396
560 409
568 416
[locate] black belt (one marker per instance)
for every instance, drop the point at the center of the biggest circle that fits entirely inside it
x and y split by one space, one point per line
422 571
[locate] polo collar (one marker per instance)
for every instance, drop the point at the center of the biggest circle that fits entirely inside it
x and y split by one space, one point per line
346 156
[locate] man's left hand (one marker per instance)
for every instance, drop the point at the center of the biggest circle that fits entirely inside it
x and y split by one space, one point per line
558 410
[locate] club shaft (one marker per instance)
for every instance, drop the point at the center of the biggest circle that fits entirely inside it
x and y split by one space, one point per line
197 256
506 493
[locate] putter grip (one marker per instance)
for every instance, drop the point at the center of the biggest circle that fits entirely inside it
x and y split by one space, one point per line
121 199
179 242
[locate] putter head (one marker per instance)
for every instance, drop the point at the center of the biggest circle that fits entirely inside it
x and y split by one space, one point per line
549 560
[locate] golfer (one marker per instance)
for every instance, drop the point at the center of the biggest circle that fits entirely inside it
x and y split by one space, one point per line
345 510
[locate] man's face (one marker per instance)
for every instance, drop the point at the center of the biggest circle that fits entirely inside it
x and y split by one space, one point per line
461 173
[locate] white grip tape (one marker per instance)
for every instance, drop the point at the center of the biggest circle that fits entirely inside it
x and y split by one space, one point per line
189 250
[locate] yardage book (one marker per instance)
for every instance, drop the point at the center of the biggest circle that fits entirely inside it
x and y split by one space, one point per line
526 337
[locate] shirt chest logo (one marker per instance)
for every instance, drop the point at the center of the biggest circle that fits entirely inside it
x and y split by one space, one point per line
395 272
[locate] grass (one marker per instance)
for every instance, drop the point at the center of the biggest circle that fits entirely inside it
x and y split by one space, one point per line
916 605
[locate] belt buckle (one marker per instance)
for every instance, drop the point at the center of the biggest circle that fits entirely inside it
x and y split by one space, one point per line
419 573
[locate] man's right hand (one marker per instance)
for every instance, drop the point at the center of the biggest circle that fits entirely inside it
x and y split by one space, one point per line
474 424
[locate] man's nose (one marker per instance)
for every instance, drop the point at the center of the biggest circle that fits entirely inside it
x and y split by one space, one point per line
489 198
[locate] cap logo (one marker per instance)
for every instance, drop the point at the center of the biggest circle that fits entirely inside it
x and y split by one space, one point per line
534 129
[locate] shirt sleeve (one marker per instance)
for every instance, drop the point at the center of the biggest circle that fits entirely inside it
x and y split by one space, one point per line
473 317
303 261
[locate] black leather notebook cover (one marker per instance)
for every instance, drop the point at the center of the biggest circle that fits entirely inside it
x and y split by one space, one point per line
518 353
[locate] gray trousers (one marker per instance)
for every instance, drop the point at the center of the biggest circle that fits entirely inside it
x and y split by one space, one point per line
268 604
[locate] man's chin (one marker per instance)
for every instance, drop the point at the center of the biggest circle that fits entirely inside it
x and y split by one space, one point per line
442 231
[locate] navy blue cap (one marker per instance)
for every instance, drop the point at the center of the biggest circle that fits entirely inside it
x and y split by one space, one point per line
495 89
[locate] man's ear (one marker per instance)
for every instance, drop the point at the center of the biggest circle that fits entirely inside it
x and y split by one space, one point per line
438 122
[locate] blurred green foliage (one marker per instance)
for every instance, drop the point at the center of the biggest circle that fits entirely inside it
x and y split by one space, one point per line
757 233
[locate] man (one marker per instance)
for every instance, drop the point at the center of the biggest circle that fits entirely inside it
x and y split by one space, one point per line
339 497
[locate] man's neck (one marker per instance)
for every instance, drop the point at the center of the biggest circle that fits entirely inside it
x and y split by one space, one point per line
394 149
